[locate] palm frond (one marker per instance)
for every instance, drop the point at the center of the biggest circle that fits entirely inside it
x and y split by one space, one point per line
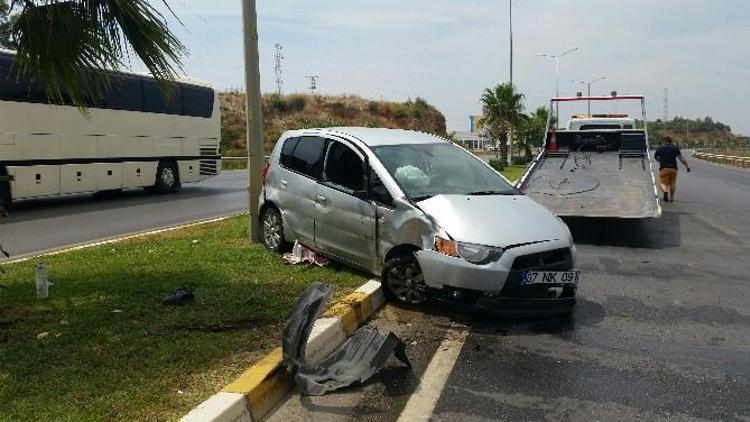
69 45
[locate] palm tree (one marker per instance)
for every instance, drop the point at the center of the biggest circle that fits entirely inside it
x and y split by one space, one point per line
68 45
532 129
502 108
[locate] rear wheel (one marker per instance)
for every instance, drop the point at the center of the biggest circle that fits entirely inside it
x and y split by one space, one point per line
272 229
167 177
404 281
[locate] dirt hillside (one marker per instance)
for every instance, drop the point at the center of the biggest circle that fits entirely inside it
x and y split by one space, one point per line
297 111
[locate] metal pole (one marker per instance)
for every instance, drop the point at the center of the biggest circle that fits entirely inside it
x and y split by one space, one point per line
253 114
557 89
588 94
510 26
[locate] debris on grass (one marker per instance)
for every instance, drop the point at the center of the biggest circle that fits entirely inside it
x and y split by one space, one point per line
179 297
302 254
363 355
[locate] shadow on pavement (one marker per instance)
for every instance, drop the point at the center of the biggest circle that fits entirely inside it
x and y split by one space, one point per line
652 233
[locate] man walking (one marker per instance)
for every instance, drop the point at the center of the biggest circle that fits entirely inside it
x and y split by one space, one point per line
667 156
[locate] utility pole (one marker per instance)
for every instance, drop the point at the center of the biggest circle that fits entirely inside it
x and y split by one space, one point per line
277 67
253 114
556 63
588 89
510 31
313 83
665 117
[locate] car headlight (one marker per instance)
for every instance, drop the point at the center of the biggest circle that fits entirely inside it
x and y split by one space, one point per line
471 252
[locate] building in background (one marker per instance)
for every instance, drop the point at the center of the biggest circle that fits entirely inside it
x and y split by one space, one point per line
475 138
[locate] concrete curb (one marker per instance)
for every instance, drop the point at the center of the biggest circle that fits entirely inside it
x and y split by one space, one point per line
261 388
116 239
729 160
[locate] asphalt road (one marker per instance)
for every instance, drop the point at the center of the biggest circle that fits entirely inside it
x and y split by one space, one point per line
661 330
38 225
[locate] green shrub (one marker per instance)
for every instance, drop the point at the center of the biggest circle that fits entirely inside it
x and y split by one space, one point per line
296 103
520 160
372 107
278 103
497 164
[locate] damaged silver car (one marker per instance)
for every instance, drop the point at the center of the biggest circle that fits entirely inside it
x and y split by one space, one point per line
427 216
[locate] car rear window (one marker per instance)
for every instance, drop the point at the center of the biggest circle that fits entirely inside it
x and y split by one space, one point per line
286 151
306 156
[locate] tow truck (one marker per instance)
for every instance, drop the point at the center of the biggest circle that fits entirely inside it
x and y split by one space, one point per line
597 166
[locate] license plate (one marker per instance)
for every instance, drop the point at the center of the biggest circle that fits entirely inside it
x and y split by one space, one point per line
550 277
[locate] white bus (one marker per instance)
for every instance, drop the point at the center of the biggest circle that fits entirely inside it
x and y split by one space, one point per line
131 137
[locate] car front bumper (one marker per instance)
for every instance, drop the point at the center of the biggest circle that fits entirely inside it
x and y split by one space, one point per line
501 278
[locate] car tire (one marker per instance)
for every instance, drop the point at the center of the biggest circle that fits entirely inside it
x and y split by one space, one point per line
403 280
272 229
167 178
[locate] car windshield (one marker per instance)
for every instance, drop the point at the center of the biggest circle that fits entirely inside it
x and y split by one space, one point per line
426 170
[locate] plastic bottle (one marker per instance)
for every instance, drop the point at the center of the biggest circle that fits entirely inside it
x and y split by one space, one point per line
42 282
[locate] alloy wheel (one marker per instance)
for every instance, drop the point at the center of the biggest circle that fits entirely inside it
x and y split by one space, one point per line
406 283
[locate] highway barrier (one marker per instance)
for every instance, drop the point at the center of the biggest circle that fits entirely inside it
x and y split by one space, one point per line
729 160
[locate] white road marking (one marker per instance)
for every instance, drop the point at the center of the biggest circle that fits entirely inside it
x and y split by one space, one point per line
422 401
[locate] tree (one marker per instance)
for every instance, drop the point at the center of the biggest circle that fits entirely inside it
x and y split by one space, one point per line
532 129
502 108
6 24
69 45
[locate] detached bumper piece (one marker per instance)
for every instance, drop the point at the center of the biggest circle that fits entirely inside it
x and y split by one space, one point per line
357 361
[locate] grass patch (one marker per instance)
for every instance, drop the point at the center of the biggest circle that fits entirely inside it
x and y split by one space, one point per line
233 165
113 352
515 171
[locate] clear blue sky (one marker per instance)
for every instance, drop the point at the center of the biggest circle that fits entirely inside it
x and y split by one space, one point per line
448 51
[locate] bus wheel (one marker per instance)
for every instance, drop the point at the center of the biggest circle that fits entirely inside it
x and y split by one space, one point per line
167 177
5 198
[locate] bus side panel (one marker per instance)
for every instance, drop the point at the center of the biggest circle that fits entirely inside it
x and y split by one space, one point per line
77 178
34 181
108 176
77 146
35 146
139 174
189 171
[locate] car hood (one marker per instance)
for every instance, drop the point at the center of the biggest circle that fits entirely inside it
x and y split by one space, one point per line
494 220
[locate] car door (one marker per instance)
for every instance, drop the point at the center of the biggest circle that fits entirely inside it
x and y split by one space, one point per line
301 162
345 217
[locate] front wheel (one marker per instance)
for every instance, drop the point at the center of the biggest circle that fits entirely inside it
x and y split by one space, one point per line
404 281
167 178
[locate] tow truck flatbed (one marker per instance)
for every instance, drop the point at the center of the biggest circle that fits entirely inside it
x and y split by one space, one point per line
594 173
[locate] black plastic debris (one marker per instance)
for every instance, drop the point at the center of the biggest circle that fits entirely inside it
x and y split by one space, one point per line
179 297
354 363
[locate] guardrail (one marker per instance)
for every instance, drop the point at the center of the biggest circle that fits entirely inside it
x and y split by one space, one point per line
729 160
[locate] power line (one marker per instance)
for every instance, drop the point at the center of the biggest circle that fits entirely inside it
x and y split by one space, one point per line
277 67
313 83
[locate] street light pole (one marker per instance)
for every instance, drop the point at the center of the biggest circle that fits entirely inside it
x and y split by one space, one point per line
556 61
510 29
253 115
588 89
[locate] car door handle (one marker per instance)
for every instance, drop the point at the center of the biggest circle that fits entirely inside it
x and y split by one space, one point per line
320 199
283 183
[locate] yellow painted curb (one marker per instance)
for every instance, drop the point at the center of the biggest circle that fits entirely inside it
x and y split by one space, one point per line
266 383
352 310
